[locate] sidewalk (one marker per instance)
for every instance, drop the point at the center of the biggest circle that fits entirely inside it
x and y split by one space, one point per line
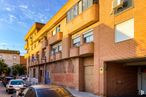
81 94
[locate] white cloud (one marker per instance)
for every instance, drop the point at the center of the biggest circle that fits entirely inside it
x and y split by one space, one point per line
8 9
12 18
23 6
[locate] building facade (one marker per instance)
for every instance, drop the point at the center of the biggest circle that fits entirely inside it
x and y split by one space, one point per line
10 57
23 60
97 46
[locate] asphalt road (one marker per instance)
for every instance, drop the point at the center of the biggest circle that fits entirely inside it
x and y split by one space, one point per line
3 91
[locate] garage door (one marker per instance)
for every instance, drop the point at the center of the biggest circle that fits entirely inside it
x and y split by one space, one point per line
121 80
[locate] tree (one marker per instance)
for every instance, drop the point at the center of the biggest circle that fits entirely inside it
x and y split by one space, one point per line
18 69
4 69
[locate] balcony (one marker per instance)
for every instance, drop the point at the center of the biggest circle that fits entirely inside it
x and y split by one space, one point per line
37 62
58 56
56 38
74 52
87 49
52 58
86 18
44 43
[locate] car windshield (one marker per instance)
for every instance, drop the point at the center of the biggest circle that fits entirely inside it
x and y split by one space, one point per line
59 92
17 82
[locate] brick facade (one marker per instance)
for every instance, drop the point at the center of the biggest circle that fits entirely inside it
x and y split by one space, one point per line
97 61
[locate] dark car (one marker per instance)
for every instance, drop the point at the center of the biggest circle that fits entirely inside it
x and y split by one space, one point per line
45 91
6 80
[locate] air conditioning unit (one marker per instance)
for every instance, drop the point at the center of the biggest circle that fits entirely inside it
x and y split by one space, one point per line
117 4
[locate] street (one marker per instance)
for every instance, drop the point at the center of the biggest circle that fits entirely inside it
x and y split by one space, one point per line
3 91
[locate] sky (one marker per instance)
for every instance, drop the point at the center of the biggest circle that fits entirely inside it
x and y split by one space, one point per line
17 17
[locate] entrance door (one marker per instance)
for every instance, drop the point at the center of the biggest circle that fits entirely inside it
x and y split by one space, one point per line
144 82
40 76
88 78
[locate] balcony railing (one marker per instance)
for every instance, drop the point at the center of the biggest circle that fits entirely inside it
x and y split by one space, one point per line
58 56
87 49
52 58
56 38
74 51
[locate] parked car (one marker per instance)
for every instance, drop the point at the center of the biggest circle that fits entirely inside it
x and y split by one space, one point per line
6 79
44 91
14 85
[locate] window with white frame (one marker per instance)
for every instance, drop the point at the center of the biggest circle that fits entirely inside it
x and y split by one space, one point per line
76 41
88 36
124 30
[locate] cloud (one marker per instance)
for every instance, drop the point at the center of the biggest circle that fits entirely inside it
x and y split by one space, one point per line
12 18
3 43
23 6
8 9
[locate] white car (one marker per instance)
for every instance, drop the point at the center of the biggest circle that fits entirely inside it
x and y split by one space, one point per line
14 85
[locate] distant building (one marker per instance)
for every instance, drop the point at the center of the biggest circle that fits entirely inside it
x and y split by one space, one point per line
10 57
22 60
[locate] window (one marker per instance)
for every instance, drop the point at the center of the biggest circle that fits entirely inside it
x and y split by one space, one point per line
126 4
43 53
54 32
37 56
57 29
68 16
88 36
56 48
30 93
124 31
75 10
79 8
34 72
87 4
76 42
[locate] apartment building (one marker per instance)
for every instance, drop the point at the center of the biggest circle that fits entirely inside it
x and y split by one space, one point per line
97 46
10 57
